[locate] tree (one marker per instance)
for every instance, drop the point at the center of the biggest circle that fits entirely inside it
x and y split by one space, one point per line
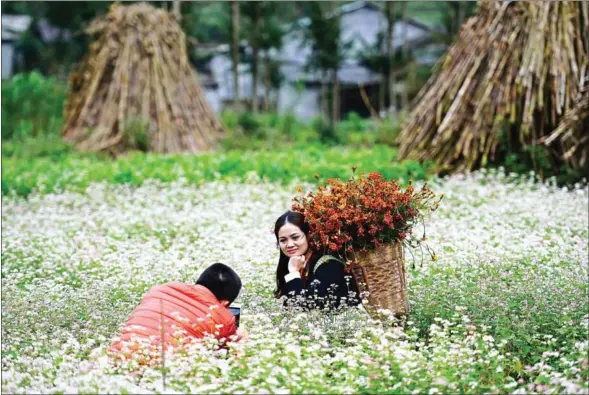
335 80
264 31
235 49
252 13
271 36
273 79
453 15
390 15
373 58
324 34
176 10
70 17
405 52
207 22
376 59
255 55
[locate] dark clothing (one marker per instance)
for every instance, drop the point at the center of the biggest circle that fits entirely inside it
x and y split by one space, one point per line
328 287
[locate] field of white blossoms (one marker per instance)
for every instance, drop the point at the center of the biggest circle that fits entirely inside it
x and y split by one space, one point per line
503 310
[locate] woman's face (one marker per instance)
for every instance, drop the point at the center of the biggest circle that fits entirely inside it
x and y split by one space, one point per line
292 240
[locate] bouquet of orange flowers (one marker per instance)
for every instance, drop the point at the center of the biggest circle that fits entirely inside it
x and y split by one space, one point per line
363 213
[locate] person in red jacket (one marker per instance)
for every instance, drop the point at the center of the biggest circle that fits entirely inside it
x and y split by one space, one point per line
175 314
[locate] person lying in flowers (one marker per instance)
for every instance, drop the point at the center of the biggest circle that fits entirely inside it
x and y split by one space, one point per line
309 279
181 314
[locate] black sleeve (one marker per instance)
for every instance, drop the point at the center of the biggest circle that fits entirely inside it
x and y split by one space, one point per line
331 286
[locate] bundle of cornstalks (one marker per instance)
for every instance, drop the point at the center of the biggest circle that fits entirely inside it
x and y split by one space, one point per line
519 73
136 89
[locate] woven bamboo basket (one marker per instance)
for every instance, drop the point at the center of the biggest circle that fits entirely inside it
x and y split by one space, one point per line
381 273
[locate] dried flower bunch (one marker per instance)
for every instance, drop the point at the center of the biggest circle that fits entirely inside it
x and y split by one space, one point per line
363 213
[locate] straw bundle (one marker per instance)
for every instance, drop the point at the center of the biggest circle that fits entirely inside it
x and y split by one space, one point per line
136 88
516 69
576 119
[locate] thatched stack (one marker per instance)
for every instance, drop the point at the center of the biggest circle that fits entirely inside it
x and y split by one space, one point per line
517 71
573 131
136 88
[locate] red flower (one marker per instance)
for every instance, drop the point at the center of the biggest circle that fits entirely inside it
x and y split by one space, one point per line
362 213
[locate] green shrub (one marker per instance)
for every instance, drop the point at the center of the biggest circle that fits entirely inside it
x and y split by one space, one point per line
32 105
229 119
325 131
289 126
250 125
538 159
266 130
25 170
136 134
355 131
29 148
387 132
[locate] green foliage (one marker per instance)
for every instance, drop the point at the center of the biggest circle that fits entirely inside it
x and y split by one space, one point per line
387 132
43 146
538 159
512 309
32 105
324 35
250 125
63 169
325 131
266 130
271 28
417 76
207 21
377 60
454 13
60 54
356 131
136 134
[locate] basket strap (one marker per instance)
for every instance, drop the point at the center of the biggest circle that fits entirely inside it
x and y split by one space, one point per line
359 275
324 259
365 276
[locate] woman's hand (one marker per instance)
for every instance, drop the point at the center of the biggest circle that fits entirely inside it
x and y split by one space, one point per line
296 263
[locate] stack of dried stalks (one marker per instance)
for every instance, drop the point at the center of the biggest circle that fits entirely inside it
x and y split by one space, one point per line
136 88
517 68
573 131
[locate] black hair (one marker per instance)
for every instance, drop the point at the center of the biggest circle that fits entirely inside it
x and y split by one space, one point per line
222 281
297 219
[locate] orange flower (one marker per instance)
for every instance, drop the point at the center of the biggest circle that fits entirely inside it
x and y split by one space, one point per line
362 213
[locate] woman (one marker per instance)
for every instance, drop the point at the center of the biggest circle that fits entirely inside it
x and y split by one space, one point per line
308 279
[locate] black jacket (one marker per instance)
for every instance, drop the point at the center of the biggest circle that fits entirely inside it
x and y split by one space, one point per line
327 287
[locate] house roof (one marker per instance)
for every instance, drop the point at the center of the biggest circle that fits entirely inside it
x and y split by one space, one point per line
355 6
361 23
50 33
14 25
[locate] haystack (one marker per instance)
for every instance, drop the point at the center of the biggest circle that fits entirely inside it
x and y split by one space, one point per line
136 89
519 72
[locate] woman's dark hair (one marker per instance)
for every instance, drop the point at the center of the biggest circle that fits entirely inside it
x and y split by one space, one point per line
222 281
297 219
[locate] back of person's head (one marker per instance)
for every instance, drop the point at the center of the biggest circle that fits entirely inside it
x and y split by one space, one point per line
222 281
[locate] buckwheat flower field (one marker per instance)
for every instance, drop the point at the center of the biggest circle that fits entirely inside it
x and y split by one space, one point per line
504 309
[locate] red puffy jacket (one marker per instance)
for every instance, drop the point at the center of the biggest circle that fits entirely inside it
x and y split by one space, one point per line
188 312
